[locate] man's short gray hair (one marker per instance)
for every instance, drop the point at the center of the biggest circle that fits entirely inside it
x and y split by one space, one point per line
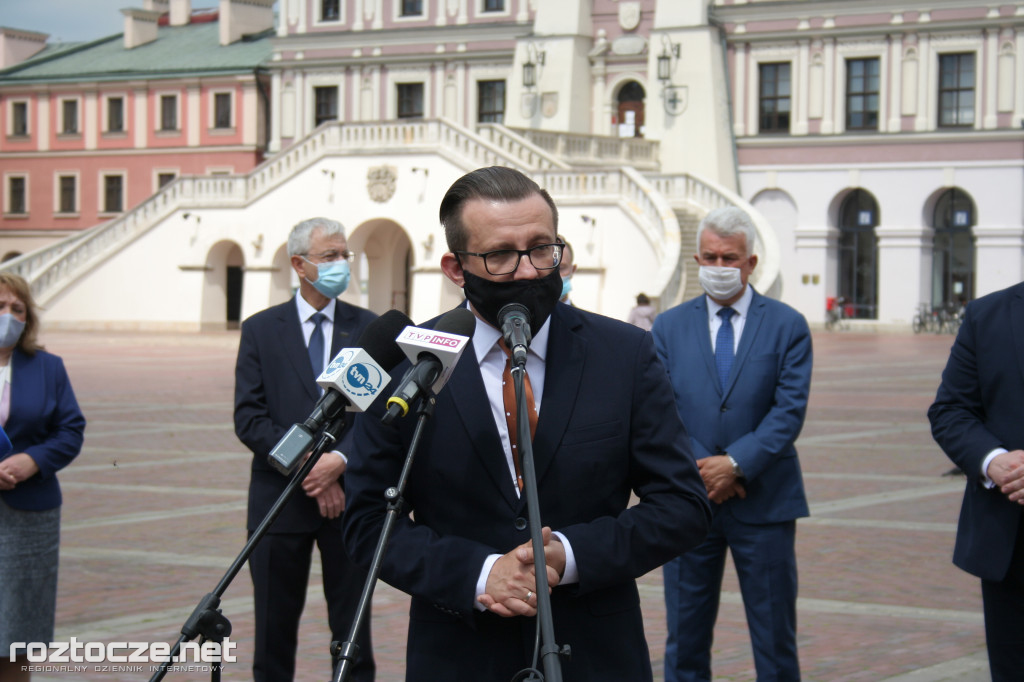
727 222
301 234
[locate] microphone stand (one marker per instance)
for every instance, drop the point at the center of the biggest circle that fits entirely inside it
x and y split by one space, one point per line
348 650
550 651
207 619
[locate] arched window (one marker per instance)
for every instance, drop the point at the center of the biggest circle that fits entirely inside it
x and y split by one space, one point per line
953 249
858 254
631 110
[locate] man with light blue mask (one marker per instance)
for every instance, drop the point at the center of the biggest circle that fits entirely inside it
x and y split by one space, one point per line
740 366
566 269
281 352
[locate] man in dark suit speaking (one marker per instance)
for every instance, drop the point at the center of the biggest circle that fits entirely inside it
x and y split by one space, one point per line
282 351
978 420
604 430
741 370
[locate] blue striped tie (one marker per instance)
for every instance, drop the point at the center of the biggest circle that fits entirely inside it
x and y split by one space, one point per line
316 344
724 353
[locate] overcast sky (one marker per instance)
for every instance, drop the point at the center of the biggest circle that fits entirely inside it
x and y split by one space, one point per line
72 20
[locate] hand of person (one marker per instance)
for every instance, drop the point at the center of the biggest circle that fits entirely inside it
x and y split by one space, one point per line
1007 471
511 584
331 501
719 478
737 490
16 469
327 470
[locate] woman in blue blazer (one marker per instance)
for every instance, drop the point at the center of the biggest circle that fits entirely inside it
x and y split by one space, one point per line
40 415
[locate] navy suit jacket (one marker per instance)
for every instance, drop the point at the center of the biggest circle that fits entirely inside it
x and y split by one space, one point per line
44 422
606 429
275 388
758 416
979 407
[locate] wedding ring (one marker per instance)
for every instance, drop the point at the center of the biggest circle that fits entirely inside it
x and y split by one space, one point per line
529 596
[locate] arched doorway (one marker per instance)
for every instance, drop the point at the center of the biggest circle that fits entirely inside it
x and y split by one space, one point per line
222 287
630 111
858 254
381 270
953 249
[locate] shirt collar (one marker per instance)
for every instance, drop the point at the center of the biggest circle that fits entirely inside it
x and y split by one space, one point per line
741 306
307 311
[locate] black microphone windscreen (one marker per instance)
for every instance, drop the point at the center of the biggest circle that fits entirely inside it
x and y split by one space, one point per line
459 321
510 308
379 338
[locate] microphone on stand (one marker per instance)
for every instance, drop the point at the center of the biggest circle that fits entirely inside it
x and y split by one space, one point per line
353 379
433 353
514 320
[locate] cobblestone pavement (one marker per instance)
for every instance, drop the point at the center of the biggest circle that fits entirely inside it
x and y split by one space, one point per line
154 513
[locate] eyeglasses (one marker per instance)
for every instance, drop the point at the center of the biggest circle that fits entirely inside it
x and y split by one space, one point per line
330 256
506 261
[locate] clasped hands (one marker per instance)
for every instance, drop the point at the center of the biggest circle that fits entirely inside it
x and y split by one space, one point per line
719 478
512 582
1007 471
16 469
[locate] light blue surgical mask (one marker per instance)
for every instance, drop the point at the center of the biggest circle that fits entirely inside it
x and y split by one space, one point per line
331 278
566 287
10 330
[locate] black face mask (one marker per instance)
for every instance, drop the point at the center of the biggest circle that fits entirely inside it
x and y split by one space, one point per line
538 295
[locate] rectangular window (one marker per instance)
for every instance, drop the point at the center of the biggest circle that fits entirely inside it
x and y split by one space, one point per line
491 102
494 5
774 101
412 8
862 83
19 118
330 10
163 179
956 90
68 194
115 115
326 104
222 110
16 195
410 100
69 111
168 112
113 193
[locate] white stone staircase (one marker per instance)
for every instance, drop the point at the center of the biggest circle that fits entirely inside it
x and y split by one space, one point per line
650 202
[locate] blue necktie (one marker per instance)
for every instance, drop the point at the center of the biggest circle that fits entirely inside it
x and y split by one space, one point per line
724 353
316 344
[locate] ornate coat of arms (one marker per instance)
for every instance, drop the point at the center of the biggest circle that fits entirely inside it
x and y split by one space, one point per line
380 183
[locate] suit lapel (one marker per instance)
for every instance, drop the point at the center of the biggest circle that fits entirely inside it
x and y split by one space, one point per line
563 372
755 316
294 347
702 328
467 392
344 323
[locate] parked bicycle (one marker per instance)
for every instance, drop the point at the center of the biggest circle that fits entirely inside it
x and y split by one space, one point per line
836 313
944 319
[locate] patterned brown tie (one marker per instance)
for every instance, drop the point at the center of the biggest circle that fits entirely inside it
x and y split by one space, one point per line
508 391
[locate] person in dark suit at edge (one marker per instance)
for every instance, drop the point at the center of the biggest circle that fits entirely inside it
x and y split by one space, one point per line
604 430
978 421
740 365
282 351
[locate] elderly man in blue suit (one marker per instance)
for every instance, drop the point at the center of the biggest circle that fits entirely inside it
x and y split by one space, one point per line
740 365
978 420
